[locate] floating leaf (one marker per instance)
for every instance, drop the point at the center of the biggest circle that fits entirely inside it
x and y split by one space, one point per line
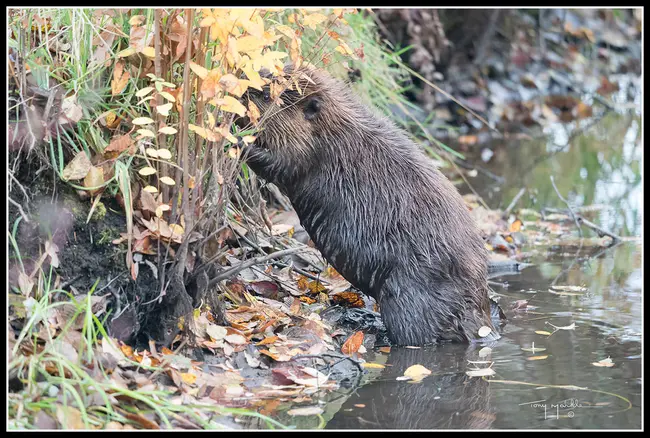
168 181
142 121
484 331
164 154
604 363
482 372
305 412
164 109
77 168
146 133
542 332
146 171
537 357
143 91
534 349
417 372
372 365
168 130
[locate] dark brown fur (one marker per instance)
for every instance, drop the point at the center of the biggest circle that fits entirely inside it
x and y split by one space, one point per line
377 209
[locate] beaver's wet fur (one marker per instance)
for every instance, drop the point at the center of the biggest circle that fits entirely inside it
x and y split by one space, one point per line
376 207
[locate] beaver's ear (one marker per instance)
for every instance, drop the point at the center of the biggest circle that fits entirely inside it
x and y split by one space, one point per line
312 107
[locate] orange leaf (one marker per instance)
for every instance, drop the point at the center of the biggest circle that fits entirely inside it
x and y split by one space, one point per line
120 79
352 344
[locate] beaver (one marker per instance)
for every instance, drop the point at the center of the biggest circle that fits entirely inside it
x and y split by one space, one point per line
375 206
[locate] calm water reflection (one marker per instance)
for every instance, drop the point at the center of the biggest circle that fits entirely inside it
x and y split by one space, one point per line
530 391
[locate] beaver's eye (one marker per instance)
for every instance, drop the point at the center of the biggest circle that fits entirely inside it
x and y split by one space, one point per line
267 95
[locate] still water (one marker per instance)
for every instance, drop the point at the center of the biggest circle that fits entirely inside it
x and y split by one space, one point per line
597 320
558 387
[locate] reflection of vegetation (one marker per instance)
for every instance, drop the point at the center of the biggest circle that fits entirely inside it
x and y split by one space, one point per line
600 166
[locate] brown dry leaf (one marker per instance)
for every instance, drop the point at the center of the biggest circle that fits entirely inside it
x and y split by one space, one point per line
253 113
104 42
147 201
77 168
94 179
352 344
384 349
69 417
349 299
119 144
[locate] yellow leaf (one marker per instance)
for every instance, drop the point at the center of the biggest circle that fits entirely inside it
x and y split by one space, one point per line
168 130
94 178
146 99
162 208
164 109
417 372
248 139
144 91
188 378
229 81
142 121
168 96
254 77
146 133
149 52
286 30
202 132
126 52
137 20
373 365
176 229
164 154
146 171
253 112
120 79
542 332
234 153
344 49
150 189
167 181
198 70
250 44
232 105
312 20
151 152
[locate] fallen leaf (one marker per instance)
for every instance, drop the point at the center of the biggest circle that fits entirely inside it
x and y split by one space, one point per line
77 168
306 411
416 372
604 363
352 344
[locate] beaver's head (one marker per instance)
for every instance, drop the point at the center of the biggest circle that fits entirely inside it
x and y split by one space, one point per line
299 112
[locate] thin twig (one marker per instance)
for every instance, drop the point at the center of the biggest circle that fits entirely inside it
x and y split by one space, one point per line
257 260
20 209
573 215
514 201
